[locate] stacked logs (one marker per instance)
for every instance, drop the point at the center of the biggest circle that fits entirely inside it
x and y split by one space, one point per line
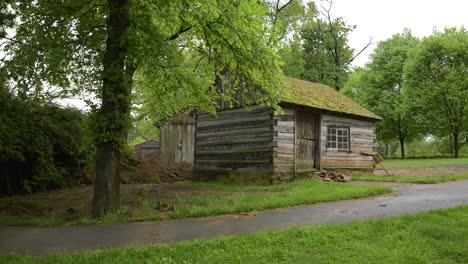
331 176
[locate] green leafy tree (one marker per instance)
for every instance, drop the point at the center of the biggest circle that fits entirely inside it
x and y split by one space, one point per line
380 85
292 57
437 83
327 55
103 47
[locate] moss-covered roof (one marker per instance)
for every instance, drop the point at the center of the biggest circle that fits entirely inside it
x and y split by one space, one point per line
323 97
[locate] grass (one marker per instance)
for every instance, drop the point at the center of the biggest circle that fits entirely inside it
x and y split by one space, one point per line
189 200
253 198
439 236
424 163
413 179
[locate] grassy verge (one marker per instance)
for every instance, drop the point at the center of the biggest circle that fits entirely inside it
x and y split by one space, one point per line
425 163
192 200
413 179
419 238
252 198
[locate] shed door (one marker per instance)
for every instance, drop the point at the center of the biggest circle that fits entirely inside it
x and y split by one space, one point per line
307 140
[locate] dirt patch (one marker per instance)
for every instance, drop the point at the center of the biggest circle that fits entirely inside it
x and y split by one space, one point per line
420 171
153 170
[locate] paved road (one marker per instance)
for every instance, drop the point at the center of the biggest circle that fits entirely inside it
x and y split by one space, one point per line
409 198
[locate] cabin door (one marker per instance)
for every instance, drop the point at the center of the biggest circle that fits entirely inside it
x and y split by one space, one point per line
306 140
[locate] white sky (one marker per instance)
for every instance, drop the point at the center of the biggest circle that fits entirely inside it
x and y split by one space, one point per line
380 19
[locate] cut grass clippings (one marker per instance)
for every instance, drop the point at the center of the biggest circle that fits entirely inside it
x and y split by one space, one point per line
424 163
413 179
439 236
217 199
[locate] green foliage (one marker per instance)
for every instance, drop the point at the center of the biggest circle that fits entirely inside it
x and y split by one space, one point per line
40 144
142 129
293 58
379 87
326 52
419 238
438 84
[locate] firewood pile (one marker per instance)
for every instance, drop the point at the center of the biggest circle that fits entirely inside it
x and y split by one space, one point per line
332 176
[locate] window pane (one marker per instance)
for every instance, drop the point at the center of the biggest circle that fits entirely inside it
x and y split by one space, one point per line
340 139
340 132
345 132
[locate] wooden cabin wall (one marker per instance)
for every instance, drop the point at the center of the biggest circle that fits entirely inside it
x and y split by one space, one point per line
284 142
236 143
362 139
177 143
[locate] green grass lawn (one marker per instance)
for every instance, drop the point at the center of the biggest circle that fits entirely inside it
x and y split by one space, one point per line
439 236
193 200
413 179
424 163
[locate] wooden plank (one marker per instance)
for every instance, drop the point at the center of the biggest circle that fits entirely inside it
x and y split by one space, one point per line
259 161
234 141
232 121
246 125
284 129
234 136
232 151
235 131
250 145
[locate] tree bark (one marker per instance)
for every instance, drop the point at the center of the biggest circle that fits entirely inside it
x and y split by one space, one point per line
456 145
402 147
114 110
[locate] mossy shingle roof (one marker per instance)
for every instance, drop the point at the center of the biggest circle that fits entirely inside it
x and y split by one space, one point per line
323 97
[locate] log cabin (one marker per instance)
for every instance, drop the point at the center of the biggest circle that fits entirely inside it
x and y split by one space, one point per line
317 128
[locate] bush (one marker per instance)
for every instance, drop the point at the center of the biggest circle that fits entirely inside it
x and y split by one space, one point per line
40 145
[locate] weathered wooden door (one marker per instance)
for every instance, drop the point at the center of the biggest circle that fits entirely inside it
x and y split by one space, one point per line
306 141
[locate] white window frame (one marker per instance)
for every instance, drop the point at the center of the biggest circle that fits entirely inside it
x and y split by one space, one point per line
338 138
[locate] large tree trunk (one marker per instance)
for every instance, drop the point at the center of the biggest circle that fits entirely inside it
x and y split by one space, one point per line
456 145
402 147
113 115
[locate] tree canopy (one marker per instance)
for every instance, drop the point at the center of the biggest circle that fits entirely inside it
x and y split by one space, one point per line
171 49
379 86
437 81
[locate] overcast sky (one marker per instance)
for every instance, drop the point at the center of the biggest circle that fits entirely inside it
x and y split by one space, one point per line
380 19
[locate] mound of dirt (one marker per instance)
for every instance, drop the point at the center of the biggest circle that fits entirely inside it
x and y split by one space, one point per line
153 170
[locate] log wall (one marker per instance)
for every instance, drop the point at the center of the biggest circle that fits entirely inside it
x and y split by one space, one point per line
284 142
236 144
362 139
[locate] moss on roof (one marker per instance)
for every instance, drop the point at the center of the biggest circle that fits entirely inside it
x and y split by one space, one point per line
323 97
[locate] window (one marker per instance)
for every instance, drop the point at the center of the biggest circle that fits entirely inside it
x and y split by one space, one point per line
338 138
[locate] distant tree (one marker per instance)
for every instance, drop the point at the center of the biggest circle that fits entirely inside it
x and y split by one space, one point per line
379 87
437 83
327 54
292 57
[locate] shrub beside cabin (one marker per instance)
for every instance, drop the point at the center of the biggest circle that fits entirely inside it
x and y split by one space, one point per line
319 128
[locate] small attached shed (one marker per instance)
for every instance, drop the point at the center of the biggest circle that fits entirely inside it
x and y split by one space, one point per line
318 128
147 148
177 138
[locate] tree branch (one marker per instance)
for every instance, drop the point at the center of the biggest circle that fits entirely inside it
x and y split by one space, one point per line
359 53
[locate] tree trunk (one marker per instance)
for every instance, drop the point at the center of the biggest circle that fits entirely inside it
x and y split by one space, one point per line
386 150
113 115
402 147
456 145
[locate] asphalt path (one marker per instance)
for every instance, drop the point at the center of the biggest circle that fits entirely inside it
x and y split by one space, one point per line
407 198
